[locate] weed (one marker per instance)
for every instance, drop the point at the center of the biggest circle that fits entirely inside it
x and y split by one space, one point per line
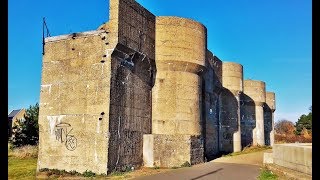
266 174
156 167
73 172
88 174
186 164
43 169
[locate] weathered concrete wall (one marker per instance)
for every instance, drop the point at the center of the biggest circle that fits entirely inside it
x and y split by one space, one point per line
162 150
136 26
81 125
269 108
211 88
75 90
296 156
229 118
252 118
132 77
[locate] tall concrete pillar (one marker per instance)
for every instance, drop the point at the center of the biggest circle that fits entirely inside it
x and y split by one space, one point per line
229 119
252 115
269 109
180 57
176 96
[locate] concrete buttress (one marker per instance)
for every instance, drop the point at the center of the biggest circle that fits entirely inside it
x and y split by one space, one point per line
254 98
229 121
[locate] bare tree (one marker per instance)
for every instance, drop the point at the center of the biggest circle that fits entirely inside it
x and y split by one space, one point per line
284 127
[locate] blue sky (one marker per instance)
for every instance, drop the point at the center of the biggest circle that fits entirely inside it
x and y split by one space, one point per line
271 39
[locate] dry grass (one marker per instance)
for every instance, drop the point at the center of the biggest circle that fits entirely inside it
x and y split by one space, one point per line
249 149
22 168
23 152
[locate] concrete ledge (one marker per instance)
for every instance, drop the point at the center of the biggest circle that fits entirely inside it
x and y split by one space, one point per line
67 36
296 156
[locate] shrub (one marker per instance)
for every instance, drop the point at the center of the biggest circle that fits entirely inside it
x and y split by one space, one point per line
282 138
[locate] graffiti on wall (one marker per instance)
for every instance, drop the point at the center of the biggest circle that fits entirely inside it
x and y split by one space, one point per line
62 132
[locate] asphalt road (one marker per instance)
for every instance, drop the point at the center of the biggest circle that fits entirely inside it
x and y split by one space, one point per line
241 167
210 171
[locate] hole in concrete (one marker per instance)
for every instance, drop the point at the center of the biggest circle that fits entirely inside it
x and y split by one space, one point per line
73 49
107 43
100 118
102 113
74 35
102 61
104 56
103 38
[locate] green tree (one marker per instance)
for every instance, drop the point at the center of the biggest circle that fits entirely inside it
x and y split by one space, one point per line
305 121
26 131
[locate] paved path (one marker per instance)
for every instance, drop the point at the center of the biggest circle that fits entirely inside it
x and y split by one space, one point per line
241 167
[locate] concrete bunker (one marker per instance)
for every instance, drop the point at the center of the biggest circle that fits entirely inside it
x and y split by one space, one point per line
144 91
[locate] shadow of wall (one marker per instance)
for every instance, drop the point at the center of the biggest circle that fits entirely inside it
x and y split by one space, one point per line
228 121
267 115
211 88
132 78
248 119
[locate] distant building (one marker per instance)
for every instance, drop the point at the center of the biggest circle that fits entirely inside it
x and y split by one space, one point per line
13 117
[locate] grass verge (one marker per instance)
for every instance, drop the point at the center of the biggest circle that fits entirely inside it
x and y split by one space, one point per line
19 168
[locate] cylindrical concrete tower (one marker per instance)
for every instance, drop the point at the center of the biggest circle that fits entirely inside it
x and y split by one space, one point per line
177 135
180 58
269 109
229 119
254 99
